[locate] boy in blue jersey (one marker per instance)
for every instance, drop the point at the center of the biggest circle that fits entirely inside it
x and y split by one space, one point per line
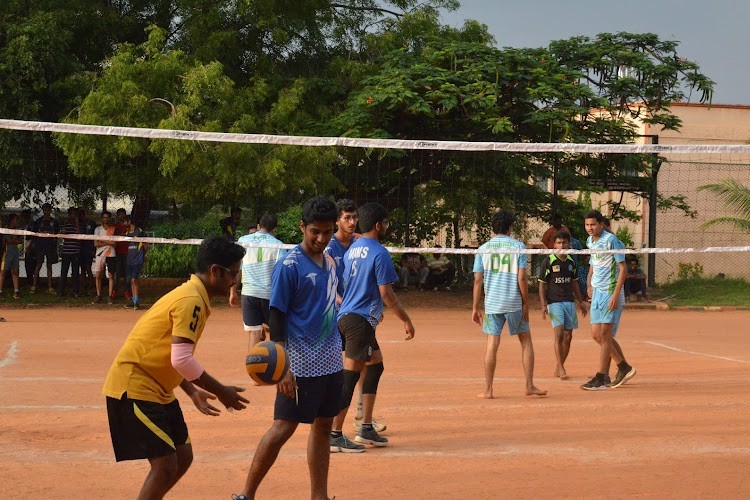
257 267
606 279
345 235
303 315
558 292
369 274
502 276
136 258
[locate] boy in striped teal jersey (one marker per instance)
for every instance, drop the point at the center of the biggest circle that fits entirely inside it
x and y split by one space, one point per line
502 276
606 280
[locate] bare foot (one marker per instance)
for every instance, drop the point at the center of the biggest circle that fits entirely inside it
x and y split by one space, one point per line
564 376
557 372
534 391
486 395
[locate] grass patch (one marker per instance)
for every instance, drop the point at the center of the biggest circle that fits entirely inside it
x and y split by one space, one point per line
706 292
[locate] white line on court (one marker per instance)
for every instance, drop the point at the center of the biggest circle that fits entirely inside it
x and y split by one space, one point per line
672 348
10 356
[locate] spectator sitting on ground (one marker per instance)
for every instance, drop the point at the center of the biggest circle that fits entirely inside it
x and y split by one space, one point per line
442 271
229 224
635 283
413 266
548 239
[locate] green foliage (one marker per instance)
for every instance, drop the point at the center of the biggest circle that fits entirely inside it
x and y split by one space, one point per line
288 229
625 235
735 197
178 261
689 270
707 292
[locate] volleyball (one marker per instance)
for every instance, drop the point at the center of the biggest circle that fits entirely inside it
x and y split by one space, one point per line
267 363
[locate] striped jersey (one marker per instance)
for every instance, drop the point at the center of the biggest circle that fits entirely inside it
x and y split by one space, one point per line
69 246
258 262
501 292
604 266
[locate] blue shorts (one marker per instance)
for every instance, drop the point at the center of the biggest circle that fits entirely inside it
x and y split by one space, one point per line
563 314
493 323
600 312
134 270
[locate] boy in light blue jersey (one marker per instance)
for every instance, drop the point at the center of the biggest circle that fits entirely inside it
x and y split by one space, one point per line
257 266
606 279
502 277
369 275
303 315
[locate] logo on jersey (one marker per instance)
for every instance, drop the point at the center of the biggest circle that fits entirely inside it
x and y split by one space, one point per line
312 277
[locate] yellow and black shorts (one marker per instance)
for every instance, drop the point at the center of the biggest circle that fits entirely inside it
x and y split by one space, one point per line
144 429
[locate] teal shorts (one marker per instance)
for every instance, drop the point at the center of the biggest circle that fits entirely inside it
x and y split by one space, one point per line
600 312
493 323
563 314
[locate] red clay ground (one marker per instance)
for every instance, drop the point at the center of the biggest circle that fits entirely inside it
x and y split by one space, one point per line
679 429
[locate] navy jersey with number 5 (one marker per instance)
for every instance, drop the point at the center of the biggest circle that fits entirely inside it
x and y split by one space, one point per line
367 265
306 293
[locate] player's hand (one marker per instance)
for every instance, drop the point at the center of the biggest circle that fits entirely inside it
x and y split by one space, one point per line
200 400
614 302
544 312
409 330
590 291
288 385
230 398
584 308
525 312
476 317
234 297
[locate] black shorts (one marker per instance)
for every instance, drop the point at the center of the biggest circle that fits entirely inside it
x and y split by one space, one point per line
359 337
255 312
48 252
111 263
121 265
144 429
319 397
86 258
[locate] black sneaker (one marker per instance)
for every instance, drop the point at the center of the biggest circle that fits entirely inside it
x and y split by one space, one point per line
239 497
368 435
598 383
97 299
623 376
342 444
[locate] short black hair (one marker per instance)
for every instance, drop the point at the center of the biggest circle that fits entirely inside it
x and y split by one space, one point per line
345 205
217 250
235 210
318 209
106 212
594 214
370 214
121 211
563 235
46 205
502 221
268 221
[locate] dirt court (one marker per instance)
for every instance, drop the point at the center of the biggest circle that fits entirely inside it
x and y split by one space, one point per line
679 429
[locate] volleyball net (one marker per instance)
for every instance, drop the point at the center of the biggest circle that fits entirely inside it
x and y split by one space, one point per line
661 198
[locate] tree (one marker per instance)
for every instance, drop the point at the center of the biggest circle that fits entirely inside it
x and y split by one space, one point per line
735 197
454 85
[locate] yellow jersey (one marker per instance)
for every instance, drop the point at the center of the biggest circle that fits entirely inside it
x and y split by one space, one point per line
143 367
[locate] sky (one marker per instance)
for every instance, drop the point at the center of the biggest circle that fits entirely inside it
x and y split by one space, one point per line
713 33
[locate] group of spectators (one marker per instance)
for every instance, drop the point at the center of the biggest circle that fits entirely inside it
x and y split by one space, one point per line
86 262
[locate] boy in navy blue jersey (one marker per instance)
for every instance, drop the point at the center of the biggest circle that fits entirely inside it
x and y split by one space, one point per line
136 258
302 318
558 292
368 274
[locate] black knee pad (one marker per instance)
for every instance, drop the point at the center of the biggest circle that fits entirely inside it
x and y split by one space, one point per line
350 382
372 378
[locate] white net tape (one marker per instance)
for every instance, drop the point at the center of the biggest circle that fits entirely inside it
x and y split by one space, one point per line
451 251
289 140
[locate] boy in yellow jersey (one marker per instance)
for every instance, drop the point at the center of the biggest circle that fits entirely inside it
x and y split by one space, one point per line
145 419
